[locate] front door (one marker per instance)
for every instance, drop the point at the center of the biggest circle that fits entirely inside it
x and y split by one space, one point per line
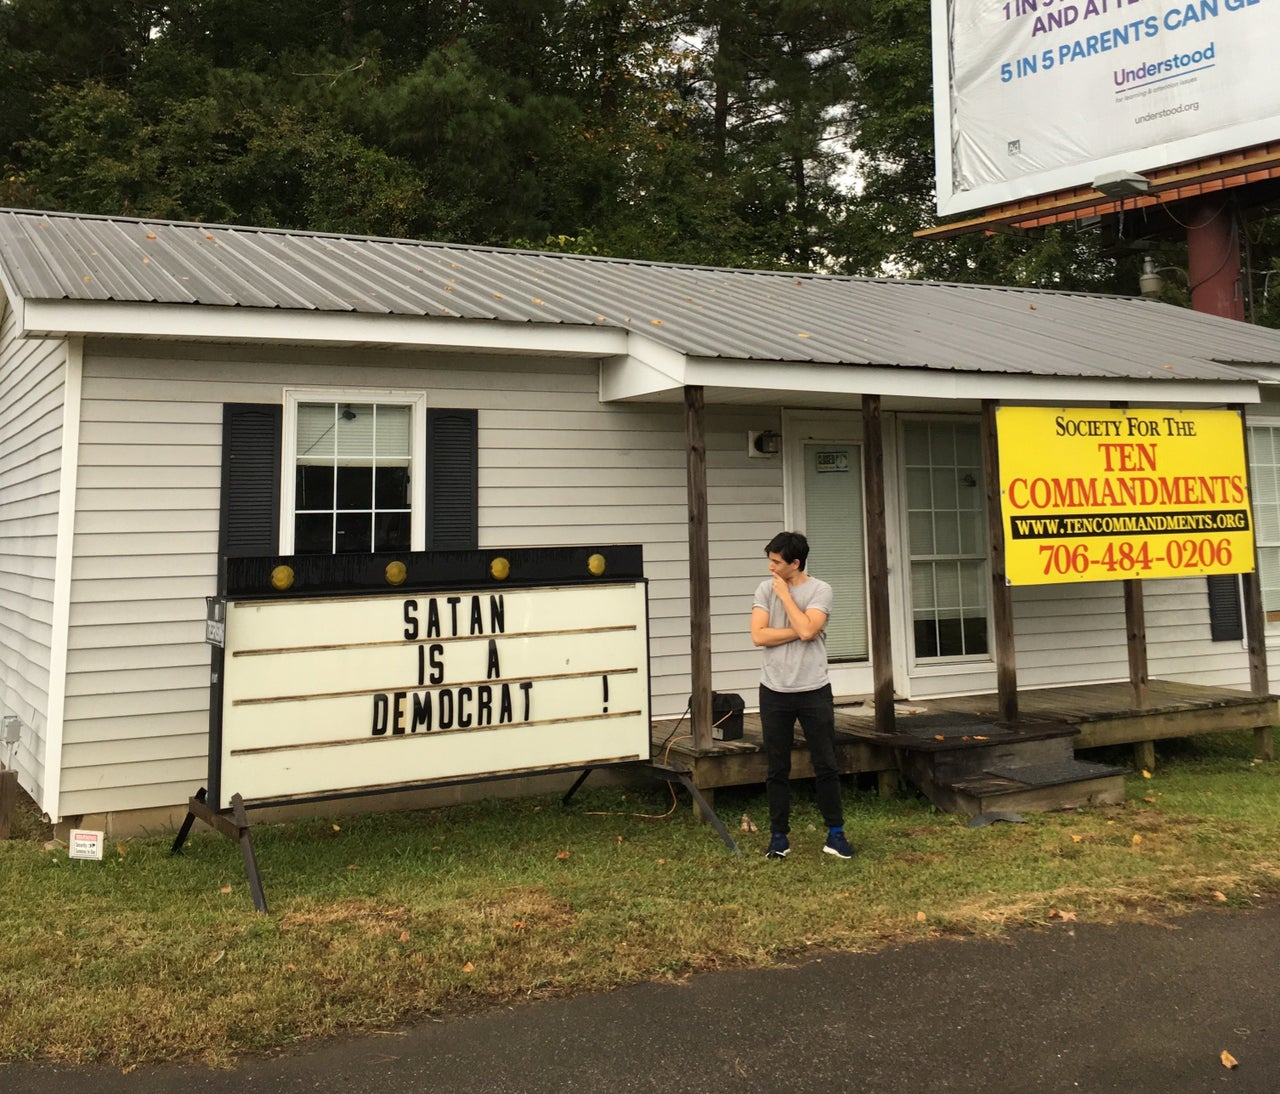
827 506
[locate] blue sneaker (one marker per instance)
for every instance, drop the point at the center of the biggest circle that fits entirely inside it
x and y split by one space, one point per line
779 846
837 845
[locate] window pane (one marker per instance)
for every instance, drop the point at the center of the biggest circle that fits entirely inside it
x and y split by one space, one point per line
313 534
392 431
354 533
391 531
315 429
946 534
355 431
391 488
355 488
313 488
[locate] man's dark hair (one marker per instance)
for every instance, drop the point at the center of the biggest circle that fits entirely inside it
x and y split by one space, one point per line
792 546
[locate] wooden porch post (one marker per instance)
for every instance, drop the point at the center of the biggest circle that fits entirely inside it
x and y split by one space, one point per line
1001 598
1135 625
1135 629
1255 624
699 570
878 564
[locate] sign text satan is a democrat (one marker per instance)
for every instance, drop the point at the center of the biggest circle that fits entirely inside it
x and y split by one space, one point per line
341 694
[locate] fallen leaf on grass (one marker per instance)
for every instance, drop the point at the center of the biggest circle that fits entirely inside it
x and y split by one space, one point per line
921 917
1065 917
120 849
1077 839
518 924
337 828
562 855
1146 774
1228 1061
468 967
353 866
225 889
404 936
1219 897
1149 799
1137 839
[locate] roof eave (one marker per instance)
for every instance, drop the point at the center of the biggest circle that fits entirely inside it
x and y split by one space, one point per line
208 323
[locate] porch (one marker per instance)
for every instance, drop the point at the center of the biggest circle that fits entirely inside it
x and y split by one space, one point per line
963 734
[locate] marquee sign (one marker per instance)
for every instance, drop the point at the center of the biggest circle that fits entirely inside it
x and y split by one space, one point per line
1106 495
461 666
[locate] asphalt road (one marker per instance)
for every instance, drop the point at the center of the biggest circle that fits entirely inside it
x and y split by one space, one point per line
1074 1007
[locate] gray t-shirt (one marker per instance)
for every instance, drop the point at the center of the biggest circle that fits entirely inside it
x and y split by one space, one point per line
795 666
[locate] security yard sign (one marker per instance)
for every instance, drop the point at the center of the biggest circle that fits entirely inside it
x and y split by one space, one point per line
345 676
1107 495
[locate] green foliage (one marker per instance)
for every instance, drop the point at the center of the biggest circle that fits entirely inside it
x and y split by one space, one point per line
777 133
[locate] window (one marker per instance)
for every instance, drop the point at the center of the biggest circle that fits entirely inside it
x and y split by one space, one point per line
946 538
833 524
1264 476
351 473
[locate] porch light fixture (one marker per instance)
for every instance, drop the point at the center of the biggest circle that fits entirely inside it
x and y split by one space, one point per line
764 442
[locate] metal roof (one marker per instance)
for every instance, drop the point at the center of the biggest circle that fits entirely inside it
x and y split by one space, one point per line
701 312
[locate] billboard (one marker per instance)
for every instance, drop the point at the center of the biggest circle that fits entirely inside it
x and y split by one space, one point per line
333 691
1109 495
1034 96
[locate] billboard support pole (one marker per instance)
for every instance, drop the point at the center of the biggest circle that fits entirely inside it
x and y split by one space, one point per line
1213 258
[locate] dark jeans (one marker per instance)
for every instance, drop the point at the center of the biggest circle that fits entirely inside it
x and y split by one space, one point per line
779 712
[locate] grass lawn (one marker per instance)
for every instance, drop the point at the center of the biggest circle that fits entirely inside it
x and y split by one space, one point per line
384 918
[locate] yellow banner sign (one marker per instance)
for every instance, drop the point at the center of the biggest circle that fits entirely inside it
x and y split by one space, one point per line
1106 495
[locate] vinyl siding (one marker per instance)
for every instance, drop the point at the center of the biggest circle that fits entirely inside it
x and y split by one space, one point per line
32 379
556 468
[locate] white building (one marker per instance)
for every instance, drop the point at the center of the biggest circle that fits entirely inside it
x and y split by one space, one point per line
161 385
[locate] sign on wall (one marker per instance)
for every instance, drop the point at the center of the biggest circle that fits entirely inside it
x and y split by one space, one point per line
1033 96
1108 495
352 690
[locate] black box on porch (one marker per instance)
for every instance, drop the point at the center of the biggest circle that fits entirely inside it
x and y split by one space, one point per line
726 716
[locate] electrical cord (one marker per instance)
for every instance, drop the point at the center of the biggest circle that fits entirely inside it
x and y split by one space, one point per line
666 753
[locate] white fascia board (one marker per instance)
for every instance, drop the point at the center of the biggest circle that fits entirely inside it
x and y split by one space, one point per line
921 383
646 370
16 303
204 322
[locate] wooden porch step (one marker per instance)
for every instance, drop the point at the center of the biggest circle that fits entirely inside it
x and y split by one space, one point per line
1038 788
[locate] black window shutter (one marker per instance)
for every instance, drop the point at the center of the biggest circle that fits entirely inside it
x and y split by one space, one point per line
1226 624
453 521
250 523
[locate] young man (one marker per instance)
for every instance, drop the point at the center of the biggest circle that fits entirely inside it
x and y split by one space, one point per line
788 621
